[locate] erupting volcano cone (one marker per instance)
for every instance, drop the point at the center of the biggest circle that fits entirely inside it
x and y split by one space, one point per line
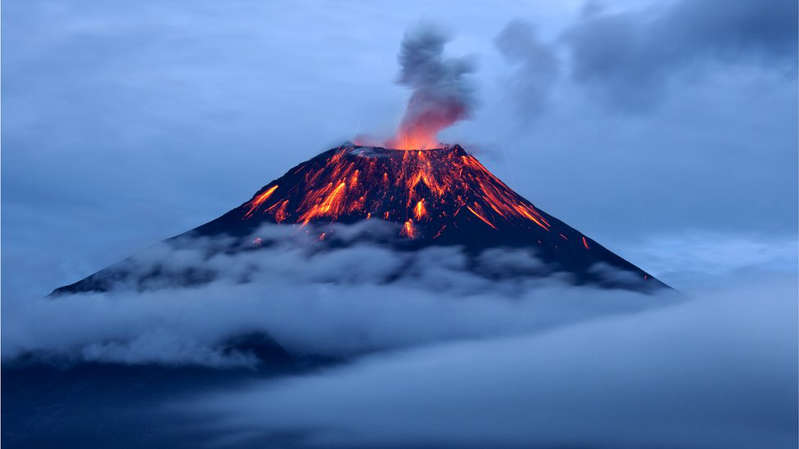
441 196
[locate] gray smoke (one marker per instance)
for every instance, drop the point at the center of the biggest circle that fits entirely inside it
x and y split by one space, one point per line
441 94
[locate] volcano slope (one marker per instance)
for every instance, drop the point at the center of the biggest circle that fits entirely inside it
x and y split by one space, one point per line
432 197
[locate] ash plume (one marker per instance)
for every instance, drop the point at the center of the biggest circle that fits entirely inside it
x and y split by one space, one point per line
441 94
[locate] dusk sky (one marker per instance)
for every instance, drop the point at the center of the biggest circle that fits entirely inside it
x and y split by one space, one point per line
664 130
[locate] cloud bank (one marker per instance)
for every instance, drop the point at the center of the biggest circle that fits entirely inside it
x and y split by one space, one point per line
718 371
337 303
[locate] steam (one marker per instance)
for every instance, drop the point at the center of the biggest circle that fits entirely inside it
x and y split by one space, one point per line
441 93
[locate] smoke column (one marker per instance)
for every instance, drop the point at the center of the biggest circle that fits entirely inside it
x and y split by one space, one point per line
441 93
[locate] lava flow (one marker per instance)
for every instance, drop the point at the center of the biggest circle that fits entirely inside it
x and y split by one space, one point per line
424 190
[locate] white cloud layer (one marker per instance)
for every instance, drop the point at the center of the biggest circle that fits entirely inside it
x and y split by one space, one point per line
696 259
336 303
718 371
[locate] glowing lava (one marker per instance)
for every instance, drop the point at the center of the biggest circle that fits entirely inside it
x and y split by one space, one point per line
260 199
419 210
424 190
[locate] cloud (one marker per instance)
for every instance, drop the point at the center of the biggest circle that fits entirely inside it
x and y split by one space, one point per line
536 67
716 371
629 58
338 303
697 259
350 301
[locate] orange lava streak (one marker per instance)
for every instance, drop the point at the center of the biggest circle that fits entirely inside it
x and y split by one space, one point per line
419 211
331 201
259 200
481 217
526 211
585 243
407 229
499 200
280 213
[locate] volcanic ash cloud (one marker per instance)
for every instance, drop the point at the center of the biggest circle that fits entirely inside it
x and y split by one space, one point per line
441 94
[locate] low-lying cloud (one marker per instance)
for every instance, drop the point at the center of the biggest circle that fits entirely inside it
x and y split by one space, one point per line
337 303
441 355
717 371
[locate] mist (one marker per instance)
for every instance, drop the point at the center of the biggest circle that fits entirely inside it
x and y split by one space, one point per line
340 303
717 371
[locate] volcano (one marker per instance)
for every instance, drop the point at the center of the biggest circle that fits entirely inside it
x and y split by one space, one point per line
432 197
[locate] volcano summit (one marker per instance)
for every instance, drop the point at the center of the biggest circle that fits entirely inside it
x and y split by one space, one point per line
432 197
